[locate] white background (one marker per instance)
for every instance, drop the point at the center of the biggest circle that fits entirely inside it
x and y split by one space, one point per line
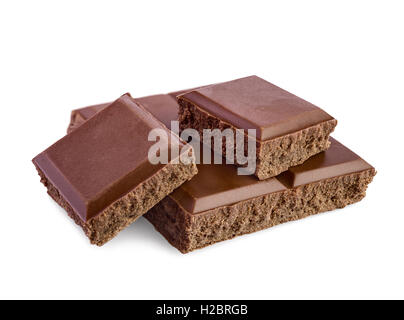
344 56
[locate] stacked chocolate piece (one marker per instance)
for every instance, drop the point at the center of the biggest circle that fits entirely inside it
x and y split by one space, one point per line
100 173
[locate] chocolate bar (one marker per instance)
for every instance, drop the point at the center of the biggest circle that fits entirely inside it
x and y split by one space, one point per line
217 204
101 174
288 129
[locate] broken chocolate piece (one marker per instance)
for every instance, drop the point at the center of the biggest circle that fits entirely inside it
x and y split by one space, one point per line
289 130
200 213
101 174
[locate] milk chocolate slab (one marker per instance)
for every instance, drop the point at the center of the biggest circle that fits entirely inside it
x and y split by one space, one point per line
101 174
332 179
217 204
289 130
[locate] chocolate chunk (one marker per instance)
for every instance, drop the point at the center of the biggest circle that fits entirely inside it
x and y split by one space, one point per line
289 130
101 174
217 209
217 204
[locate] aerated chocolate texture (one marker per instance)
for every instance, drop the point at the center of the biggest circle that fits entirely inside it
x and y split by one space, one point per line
289 130
217 204
101 175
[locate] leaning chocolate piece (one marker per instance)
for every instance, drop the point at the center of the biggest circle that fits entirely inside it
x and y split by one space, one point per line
289 130
101 175
217 204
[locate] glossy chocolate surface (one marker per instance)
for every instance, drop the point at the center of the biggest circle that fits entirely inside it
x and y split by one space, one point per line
253 103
